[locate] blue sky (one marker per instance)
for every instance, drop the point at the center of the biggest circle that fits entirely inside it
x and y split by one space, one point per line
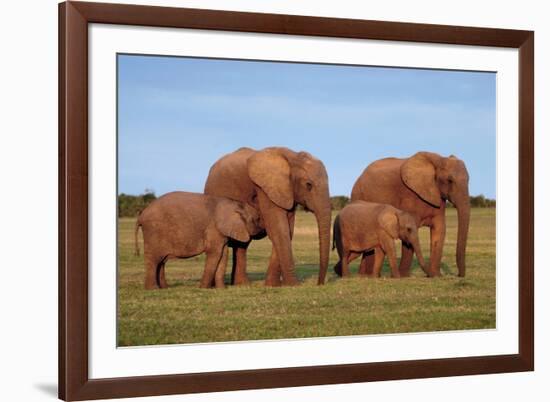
177 116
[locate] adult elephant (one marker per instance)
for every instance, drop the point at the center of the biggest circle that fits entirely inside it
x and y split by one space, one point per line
420 185
274 181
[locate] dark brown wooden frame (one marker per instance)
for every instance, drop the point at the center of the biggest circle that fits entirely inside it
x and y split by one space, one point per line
74 17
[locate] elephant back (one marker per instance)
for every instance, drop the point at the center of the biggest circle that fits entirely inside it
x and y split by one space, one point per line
380 182
228 176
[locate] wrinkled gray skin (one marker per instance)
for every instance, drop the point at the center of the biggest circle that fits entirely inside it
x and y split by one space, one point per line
421 186
363 226
182 225
273 181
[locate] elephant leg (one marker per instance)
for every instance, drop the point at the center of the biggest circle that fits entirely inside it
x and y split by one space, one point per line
352 256
161 280
367 263
437 241
277 228
238 272
406 260
273 276
151 267
345 263
213 258
388 247
378 262
274 272
338 268
220 270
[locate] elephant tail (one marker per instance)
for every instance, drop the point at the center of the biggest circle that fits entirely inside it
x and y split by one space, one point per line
337 244
136 230
336 232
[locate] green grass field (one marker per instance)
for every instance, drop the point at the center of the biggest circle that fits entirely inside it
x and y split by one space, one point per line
183 313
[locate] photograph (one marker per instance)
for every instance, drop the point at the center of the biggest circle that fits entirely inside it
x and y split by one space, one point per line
268 200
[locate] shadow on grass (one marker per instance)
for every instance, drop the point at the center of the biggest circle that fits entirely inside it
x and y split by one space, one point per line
310 272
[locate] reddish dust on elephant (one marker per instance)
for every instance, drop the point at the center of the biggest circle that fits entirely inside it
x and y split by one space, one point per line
183 225
362 226
274 181
420 185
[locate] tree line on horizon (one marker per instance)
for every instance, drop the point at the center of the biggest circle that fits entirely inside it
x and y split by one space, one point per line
131 205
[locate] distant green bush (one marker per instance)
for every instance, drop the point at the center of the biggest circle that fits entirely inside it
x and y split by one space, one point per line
338 202
132 205
478 201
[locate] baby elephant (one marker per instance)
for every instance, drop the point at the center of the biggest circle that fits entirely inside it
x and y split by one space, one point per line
362 226
182 225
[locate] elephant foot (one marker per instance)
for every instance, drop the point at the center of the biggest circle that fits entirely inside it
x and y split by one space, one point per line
434 274
291 282
273 283
241 281
338 269
405 272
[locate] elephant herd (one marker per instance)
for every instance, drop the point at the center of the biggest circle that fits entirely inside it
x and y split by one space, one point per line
250 194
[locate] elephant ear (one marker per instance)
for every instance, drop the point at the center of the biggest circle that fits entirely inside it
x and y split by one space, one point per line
271 172
230 222
418 174
390 223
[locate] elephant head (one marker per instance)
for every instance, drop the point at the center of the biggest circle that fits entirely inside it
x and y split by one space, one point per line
402 225
236 220
436 179
289 178
251 218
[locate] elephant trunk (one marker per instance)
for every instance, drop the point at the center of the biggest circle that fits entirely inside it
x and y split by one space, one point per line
416 245
323 222
463 211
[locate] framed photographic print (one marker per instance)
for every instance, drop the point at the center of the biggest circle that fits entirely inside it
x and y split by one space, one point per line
259 200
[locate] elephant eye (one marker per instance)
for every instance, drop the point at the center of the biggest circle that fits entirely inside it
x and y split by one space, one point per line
309 186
